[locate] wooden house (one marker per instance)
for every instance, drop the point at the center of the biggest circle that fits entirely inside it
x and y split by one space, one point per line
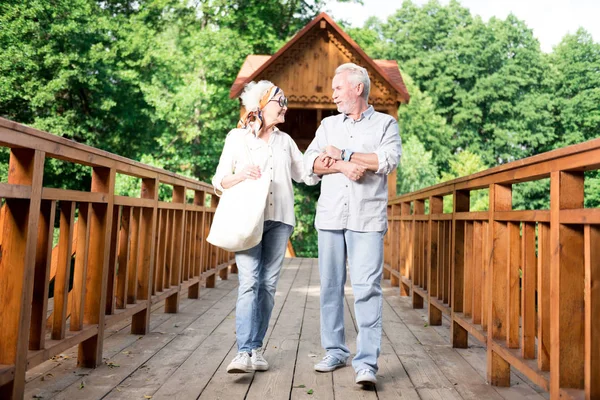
304 69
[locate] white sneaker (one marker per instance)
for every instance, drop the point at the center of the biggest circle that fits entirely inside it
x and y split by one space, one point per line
240 364
366 377
329 363
258 361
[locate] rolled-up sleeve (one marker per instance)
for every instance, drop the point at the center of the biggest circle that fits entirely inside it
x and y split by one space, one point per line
314 149
390 150
299 172
226 165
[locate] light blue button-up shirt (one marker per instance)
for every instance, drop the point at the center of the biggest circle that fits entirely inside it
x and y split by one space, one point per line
362 205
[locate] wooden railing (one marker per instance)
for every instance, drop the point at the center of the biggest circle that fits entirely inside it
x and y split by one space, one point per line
125 253
524 283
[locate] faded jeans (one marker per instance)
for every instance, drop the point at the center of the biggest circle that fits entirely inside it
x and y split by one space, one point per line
364 251
258 273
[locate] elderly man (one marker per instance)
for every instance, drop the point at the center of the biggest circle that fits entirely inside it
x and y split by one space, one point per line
354 151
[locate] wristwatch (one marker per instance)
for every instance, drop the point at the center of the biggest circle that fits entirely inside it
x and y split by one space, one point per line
346 154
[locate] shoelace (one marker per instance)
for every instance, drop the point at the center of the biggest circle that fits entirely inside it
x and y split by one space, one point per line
241 357
259 354
329 358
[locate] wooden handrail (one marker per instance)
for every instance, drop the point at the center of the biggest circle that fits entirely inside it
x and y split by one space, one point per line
493 272
129 253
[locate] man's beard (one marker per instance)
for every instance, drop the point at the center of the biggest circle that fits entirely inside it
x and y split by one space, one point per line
346 106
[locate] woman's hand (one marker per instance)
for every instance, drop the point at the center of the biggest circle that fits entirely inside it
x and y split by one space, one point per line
325 160
333 152
250 172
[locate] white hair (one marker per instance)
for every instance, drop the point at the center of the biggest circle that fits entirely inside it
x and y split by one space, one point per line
356 75
253 92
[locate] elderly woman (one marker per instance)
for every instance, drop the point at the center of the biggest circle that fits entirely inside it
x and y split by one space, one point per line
272 152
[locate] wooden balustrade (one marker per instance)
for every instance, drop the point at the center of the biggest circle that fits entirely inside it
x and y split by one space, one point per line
124 254
525 283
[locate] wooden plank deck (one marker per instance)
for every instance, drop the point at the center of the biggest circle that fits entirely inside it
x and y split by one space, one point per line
185 354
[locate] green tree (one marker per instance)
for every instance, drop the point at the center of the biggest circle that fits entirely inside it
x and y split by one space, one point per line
419 118
463 164
577 87
416 169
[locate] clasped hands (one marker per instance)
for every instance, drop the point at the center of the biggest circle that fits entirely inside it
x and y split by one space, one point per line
331 156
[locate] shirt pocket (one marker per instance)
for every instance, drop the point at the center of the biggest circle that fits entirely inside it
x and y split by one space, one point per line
282 157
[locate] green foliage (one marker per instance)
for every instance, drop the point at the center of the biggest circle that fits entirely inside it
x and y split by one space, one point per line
421 120
592 189
575 63
463 164
416 169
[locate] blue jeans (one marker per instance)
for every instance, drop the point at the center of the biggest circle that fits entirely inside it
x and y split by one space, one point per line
258 273
364 251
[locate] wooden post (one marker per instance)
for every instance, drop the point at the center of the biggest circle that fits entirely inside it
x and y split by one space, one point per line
468 270
478 271
63 270
436 206
513 255
179 226
134 252
169 246
212 250
39 304
112 261
567 274
543 287
194 290
233 267
80 270
485 281
528 291
17 265
498 370
124 249
160 262
140 323
417 234
387 240
461 204
405 250
392 180
592 312
395 246
90 351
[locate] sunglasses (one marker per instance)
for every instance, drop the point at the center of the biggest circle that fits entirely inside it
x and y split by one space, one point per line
282 101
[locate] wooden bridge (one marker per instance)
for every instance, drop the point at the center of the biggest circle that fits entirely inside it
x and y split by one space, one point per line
497 304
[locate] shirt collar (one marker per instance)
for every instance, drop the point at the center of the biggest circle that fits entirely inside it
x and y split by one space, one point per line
365 114
251 132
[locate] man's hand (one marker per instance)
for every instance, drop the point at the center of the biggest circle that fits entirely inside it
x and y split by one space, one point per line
352 171
333 152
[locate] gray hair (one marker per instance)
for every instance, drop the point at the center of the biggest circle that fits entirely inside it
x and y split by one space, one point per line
253 92
356 75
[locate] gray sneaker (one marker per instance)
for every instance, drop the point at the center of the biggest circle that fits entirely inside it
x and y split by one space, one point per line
329 363
366 377
240 364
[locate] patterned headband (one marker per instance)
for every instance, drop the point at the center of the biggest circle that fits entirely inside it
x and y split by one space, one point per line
253 119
